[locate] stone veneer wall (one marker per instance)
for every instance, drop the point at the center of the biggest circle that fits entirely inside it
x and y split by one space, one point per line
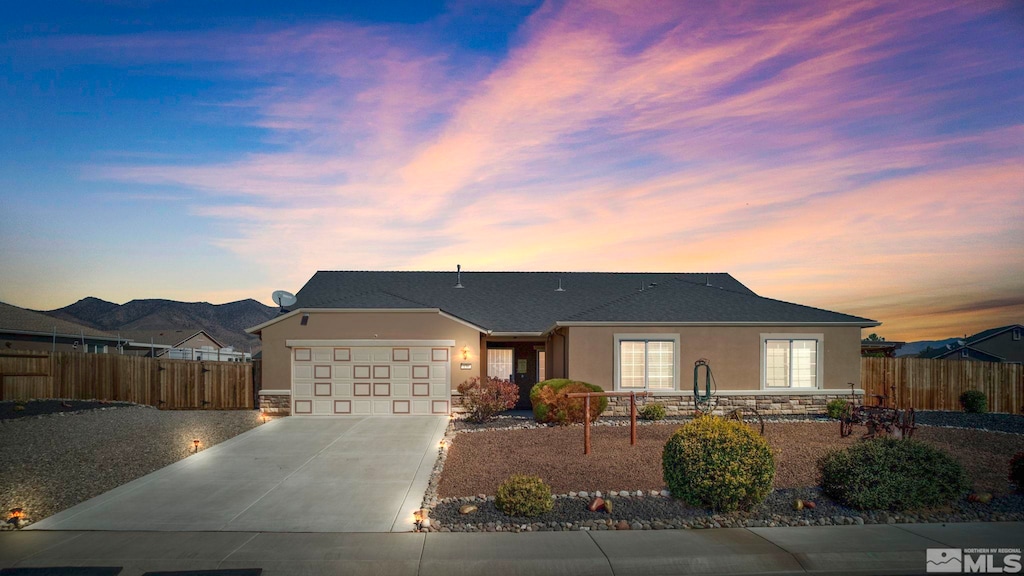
766 404
276 404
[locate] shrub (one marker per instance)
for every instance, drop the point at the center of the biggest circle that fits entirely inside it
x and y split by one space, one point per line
551 402
891 474
524 496
718 464
974 401
483 399
1017 471
834 408
653 411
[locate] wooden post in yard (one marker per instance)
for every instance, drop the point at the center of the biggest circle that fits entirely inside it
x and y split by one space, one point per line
586 425
632 418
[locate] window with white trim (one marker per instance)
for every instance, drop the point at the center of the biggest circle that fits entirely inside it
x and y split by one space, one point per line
645 363
499 363
791 362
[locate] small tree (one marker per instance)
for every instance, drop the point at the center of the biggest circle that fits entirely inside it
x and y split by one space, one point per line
484 399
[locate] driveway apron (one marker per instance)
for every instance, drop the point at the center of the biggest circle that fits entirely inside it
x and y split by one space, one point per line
309 474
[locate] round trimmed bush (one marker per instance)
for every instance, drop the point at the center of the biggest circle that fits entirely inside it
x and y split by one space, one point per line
974 401
891 474
653 411
834 408
718 464
523 496
1017 471
551 402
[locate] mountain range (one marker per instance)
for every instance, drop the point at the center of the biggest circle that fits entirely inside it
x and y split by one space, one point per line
915 348
225 322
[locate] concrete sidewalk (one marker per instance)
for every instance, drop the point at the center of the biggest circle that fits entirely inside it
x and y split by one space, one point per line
873 549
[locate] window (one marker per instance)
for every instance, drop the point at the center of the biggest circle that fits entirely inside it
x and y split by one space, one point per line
791 362
646 363
499 363
540 365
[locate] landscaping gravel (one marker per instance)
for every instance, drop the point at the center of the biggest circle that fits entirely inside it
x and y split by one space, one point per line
1011 423
555 454
10 410
649 512
53 462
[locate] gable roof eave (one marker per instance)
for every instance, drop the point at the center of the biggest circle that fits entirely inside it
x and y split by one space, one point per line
559 324
259 327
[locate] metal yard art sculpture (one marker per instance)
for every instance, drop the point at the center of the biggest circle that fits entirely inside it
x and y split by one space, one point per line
880 419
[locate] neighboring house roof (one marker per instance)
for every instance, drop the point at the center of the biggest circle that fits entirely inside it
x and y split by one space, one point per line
172 337
530 302
970 343
19 320
986 334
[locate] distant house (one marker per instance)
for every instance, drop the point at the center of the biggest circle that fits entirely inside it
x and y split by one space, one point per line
880 348
1003 344
184 344
22 329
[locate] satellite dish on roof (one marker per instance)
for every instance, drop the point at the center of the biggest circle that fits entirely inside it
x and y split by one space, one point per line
283 298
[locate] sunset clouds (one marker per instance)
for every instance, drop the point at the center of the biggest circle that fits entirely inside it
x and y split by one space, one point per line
866 157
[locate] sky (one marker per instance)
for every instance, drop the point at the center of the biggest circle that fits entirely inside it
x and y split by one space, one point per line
865 157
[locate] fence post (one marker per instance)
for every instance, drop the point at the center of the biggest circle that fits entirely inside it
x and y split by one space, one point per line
586 424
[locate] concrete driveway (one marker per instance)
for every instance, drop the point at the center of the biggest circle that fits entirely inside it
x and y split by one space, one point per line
309 474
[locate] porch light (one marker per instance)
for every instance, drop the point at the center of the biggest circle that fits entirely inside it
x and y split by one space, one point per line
465 352
195 444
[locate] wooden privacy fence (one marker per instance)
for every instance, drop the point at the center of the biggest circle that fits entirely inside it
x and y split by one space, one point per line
927 384
167 384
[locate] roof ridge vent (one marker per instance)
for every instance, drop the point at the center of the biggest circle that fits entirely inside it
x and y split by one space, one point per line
707 279
559 289
458 278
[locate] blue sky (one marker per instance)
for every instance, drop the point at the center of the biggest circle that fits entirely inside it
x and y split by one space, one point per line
858 156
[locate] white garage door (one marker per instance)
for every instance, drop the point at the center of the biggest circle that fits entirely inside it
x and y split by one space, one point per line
337 380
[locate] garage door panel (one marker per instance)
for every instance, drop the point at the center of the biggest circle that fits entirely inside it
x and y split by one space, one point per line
402 379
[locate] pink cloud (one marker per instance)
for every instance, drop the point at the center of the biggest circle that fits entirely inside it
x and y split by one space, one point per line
742 137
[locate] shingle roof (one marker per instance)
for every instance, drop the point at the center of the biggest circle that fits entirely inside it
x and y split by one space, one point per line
529 301
984 334
15 319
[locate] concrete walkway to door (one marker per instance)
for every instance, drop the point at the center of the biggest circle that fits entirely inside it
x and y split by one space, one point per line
308 474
